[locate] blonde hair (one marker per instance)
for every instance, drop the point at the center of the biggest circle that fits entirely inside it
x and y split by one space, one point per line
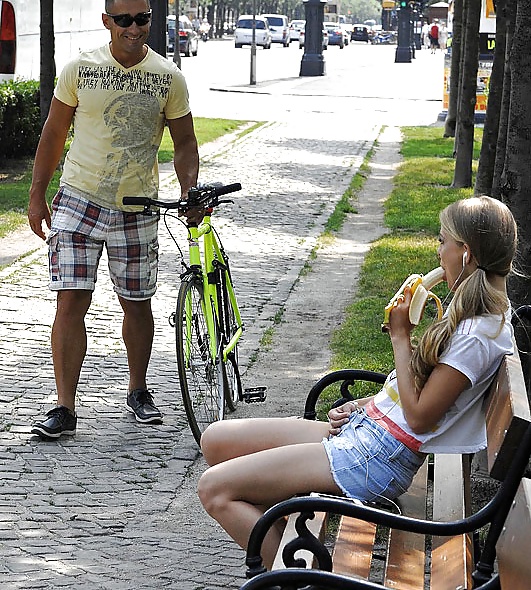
488 227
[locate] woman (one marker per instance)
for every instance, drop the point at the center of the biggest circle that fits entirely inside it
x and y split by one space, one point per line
431 402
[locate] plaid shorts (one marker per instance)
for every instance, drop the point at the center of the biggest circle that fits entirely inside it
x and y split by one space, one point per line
79 231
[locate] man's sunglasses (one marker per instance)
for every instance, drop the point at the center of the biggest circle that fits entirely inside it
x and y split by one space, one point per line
126 20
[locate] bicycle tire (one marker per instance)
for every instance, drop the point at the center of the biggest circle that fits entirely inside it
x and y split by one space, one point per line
201 376
233 384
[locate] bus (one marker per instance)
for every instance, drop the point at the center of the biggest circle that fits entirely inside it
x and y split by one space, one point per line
77 26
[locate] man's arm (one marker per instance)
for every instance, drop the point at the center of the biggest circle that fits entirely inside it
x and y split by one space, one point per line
48 155
186 156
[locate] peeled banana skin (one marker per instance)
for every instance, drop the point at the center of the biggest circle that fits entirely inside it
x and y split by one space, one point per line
420 288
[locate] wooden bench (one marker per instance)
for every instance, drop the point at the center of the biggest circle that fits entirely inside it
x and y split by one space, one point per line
415 549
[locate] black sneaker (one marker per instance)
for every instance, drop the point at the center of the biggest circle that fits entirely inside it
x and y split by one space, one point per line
60 420
140 402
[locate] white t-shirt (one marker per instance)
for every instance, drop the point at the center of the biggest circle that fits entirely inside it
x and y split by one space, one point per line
118 123
476 349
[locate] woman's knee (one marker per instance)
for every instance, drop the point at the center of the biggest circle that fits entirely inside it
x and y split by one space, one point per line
214 441
212 492
226 440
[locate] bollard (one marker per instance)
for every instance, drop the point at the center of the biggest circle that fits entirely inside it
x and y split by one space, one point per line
313 63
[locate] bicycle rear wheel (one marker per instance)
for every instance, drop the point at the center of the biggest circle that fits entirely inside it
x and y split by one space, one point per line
201 375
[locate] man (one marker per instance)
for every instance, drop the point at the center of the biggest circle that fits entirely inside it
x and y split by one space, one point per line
119 97
434 36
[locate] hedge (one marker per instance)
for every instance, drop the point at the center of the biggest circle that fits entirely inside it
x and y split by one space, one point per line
20 120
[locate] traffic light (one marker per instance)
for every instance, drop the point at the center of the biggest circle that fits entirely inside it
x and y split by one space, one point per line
403 4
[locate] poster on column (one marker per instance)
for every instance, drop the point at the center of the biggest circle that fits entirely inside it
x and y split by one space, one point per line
487 43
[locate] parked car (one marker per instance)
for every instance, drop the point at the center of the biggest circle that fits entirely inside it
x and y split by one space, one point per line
278 25
336 35
295 28
325 39
188 37
360 33
243 33
347 31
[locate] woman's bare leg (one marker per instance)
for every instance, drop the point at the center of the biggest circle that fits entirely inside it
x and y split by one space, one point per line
236 491
227 439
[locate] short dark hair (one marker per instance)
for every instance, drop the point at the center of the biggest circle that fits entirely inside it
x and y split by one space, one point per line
109 5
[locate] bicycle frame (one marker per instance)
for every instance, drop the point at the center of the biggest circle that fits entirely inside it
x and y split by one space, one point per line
212 254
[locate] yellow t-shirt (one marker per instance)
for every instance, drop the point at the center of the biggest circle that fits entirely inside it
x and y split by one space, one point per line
118 123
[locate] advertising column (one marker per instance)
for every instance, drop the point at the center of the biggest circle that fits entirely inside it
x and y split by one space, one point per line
487 36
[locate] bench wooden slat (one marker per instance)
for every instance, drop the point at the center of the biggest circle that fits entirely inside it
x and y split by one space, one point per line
353 547
406 551
451 558
514 563
507 415
317 526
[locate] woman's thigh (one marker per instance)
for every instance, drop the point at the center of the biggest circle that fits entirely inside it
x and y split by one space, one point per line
272 475
234 438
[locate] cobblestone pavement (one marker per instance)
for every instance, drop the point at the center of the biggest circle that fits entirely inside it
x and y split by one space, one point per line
114 507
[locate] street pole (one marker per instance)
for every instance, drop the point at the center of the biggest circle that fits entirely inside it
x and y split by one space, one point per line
313 63
403 50
252 80
176 44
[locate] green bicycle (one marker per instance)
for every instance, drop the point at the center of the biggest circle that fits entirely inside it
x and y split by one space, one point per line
207 318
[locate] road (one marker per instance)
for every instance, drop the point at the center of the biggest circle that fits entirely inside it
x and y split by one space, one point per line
362 81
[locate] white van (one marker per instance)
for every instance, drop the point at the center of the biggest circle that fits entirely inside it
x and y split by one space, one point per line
243 33
278 23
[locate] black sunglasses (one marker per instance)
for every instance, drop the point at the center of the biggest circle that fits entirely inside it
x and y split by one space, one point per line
126 20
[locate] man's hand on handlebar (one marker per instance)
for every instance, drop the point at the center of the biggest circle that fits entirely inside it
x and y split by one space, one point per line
194 215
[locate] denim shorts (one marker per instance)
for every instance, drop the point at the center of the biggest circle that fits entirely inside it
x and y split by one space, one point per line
80 230
367 462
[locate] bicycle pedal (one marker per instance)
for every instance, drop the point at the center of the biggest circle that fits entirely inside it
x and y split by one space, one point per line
254 394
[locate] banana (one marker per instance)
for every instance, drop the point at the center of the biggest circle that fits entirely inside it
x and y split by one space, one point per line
420 288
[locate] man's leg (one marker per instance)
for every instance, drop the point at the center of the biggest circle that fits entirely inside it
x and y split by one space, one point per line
69 346
69 342
138 330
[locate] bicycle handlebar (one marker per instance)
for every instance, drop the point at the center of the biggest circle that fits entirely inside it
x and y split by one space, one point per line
205 196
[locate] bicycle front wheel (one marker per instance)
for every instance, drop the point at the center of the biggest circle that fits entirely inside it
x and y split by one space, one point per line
201 374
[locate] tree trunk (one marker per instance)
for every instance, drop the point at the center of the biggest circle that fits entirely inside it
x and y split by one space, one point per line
501 147
487 158
47 59
157 32
516 177
457 43
467 98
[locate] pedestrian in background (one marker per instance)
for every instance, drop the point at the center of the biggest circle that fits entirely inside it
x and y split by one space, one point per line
425 34
119 98
443 37
434 36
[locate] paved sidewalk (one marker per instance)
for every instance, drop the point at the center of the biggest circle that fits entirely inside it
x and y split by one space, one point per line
115 506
